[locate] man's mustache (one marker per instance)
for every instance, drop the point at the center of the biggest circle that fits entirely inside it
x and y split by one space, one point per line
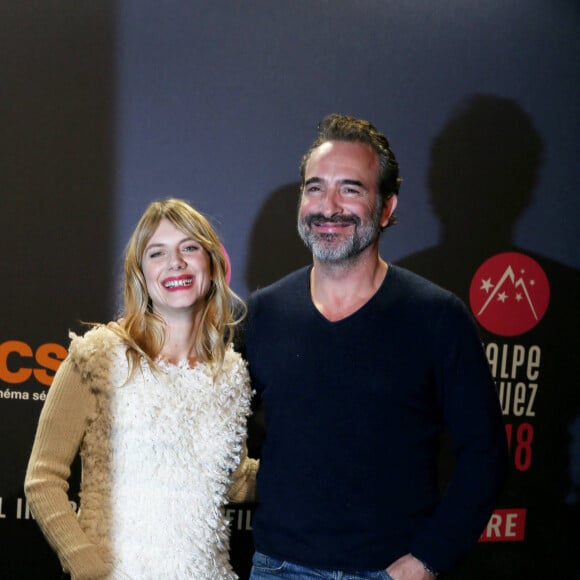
334 219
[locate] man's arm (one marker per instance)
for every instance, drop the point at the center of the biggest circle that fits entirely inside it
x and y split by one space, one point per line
472 414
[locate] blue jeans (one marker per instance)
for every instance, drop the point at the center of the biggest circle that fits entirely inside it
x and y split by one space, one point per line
267 568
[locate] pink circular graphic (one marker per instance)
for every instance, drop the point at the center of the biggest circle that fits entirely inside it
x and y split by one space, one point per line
509 294
229 269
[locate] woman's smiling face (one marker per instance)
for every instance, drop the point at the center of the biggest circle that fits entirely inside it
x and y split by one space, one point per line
176 270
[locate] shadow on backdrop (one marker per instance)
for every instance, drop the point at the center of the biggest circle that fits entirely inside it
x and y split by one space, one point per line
483 168
275 248
484 165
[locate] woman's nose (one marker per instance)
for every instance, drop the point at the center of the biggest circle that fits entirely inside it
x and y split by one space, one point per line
177 262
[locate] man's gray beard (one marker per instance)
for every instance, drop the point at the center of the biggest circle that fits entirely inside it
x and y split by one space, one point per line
361 238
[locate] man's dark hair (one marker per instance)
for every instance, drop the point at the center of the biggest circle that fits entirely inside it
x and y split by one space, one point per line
335 127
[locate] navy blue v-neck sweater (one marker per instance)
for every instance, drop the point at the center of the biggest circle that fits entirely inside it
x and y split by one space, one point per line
354 410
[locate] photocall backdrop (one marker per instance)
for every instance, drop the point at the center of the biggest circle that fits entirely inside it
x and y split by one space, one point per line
108 105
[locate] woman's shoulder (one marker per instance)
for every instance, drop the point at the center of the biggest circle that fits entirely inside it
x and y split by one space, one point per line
100 337
235 368
233 381
97 347
233 359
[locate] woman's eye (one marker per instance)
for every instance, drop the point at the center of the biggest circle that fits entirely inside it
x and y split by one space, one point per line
191 248
155 254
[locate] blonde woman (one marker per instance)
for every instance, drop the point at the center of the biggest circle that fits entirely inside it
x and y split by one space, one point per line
156 403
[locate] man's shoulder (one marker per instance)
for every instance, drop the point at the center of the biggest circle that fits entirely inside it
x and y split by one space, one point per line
423 304
283 302
412 282
417 290
290 283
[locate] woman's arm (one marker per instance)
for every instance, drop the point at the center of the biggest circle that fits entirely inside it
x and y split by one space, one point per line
244 479
61 428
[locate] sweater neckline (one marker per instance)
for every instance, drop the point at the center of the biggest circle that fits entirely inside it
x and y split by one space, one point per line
358 311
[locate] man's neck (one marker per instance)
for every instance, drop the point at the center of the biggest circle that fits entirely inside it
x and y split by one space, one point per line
338 291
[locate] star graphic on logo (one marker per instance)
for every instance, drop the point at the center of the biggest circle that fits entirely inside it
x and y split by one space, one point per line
519 297
502 297
486 284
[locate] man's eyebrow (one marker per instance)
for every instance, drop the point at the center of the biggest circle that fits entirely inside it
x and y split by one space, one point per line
342 181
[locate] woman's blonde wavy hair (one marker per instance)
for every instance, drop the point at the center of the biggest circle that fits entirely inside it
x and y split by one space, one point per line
222 309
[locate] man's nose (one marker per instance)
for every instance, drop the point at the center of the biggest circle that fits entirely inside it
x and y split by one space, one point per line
331 202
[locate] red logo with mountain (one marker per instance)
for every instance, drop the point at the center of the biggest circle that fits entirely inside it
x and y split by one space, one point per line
509 294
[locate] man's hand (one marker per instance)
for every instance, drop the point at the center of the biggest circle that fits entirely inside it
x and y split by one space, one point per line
409 568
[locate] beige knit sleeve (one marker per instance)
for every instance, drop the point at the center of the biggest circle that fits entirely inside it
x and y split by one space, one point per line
61 428
243 486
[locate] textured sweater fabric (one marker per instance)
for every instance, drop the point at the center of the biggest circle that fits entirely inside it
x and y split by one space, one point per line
158 453
353 413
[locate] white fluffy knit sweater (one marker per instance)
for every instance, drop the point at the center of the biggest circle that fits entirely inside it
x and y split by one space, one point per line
158 453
